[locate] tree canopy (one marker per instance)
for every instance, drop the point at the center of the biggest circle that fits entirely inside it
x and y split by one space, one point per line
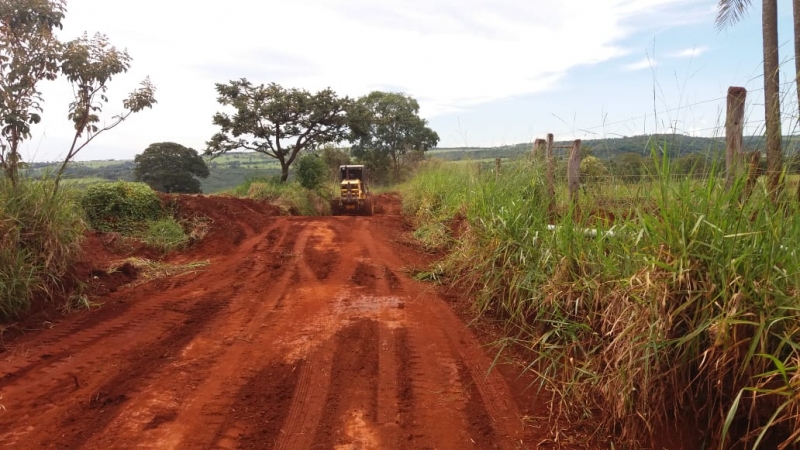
386 126
170 167
276 121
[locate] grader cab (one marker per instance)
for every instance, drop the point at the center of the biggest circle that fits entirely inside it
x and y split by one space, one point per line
354 196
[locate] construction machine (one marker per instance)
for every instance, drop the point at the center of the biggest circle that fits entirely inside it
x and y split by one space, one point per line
354 196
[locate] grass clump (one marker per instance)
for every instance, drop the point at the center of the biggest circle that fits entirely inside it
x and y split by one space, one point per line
685 309
149 270
40 235
164 235
290 197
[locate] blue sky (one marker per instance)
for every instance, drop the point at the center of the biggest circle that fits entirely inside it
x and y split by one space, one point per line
486 73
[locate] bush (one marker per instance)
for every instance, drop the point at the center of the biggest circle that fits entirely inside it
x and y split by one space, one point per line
120 206
40 237
310 171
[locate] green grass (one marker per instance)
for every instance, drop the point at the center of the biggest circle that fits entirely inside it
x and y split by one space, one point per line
164 235
290 197
83 182
40 237
688 309
250 160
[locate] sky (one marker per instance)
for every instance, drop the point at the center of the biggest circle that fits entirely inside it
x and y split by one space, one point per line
485 73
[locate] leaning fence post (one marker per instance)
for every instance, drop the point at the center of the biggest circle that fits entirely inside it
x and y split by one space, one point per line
734 127
574 172
551 175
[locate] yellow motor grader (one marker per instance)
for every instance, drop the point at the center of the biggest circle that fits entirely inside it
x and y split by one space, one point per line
354 197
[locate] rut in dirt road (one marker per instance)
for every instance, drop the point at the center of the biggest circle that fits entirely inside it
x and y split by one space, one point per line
301 333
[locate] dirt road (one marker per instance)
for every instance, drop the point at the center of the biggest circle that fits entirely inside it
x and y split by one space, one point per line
300 333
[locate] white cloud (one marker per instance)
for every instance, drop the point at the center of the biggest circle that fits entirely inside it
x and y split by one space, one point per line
689 52
644 63
449 54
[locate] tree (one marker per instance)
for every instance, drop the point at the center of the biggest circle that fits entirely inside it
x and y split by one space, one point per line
388 123
170 167
29 53
89 65
277 122
730 11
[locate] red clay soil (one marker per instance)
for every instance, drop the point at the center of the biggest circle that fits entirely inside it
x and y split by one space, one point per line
301 333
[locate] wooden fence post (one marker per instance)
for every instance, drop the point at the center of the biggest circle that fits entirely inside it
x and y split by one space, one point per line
551 175
734 127
574 172
497 168
752 175
538 148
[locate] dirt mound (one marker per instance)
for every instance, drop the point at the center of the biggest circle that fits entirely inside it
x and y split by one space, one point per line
224 221
389 204
220 221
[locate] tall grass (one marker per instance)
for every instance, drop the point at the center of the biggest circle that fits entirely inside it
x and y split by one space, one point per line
39 238
290 197
687 310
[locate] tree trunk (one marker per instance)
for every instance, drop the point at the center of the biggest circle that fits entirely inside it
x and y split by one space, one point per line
772 99
284 172
12 160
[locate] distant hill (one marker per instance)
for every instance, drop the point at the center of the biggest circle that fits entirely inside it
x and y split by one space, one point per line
676 145
226 172
232 169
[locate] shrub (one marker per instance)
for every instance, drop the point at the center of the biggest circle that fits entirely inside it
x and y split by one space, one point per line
310 171
120 206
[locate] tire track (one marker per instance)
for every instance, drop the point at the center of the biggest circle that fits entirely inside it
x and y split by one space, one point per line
349 419
226 350
105 402
306 334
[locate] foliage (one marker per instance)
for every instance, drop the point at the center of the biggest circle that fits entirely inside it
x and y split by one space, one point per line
164 235
276 121
29 53
39 239
388 124
89 65
170 167
333 157
687 306
311 171
291 197
120 206
592 167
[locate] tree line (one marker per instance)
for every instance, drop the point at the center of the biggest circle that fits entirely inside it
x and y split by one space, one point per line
383 128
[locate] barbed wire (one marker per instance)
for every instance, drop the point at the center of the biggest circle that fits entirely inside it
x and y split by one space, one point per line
587 130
